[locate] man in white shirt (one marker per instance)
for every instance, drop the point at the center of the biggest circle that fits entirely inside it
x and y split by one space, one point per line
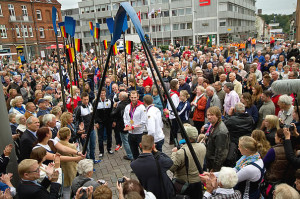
154 122
135 119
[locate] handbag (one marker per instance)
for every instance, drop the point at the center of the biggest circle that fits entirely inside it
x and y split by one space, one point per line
180 185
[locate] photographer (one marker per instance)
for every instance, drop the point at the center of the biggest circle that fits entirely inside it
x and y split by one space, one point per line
289 151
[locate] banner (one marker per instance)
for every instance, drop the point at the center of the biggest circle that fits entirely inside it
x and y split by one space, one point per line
91 28
110 24
54 12
115 49
62 29
125 25
97 31
105 44
78 45
129 47
70 24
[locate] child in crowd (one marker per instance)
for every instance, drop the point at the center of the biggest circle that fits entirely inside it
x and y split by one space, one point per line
184 106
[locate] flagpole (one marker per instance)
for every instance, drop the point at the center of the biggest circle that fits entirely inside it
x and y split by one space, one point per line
61 76
75 65
124 44
69 71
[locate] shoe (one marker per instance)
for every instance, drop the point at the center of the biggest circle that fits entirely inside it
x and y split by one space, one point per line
94 170
97 161
117 147
110 152
101 155
171 142
126 157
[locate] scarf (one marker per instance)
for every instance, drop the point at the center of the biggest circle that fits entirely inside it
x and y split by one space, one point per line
21 110
246 160
173 92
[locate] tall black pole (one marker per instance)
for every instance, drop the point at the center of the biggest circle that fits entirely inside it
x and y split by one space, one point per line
124 44
175 111
75 61
61 76
91 125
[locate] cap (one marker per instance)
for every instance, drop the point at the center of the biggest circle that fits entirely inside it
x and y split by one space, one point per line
41 100
48 88
191 131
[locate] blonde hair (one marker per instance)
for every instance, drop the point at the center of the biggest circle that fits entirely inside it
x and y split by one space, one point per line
185 93
283 191
215 111
248 143
55 110
262 142
273 121
64 118
64 132
25 166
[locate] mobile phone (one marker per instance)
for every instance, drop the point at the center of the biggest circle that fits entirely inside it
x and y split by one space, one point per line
121 180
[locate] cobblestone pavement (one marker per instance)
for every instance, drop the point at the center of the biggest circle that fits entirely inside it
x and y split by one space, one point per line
114 166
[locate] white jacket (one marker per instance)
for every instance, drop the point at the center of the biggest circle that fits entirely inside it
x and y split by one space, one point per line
154 123
175 99
139 118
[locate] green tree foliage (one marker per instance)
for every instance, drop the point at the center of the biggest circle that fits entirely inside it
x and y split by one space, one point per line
283 20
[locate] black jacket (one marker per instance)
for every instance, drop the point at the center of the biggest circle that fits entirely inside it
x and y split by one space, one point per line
117 115
290 155
26 145
150 180
238 125
103 113
27 189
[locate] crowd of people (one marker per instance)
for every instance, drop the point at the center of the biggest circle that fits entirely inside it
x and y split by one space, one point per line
245 136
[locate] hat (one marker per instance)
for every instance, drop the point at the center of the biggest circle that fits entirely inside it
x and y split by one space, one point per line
48 88
191 131
42 100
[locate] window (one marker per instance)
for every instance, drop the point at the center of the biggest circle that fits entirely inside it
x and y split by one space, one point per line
181 12
174 13
167 27
115 6
146 28
188 11
230 7
98 8
165 1
11 10
152 2
87 10
99 21
3 31
159 1
56 16
153 29
31 31
139 3
108 7
165 13
133 3
24 11
1 14
222 23
182 26
18 33
92 9
189 26
103 7
175 26
223 7
25 31
38 14
81 10
104 20
42 33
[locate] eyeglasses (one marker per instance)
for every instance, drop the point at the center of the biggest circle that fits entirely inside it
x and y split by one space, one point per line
36 171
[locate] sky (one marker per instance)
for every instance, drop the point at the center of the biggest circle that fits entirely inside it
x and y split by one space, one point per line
267 6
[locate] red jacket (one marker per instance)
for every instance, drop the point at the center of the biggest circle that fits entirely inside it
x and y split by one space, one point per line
148 82
69 105
199 114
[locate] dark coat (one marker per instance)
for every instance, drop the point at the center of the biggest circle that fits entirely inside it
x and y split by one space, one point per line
27 189
26 145
117 115
238 125
150 180
290 155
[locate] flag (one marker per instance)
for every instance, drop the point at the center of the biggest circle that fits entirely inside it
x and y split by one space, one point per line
115 50
105 44
71 55
139 16
208 41
129 47
54 12
91 28
125 25
70 25
96 33
95 58
62 29
78 45
110 24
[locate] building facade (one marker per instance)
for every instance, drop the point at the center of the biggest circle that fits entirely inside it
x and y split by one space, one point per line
167 21
26 25
297 26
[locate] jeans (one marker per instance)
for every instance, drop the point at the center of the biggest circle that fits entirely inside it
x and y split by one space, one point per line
159 145
118 138
134 141
124 138
174 130
198 125
90 150
67 192
108 128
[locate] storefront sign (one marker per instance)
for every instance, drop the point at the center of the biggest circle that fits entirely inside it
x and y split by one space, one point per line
204 2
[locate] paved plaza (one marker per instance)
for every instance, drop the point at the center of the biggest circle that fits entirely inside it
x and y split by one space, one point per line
114 166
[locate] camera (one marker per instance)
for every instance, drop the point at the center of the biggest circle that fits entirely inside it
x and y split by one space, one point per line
121 180
290 127
83 190
101 182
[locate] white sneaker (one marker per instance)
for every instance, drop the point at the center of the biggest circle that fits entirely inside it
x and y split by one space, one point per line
100 155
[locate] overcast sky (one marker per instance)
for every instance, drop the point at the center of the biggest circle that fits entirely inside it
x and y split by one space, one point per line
268 6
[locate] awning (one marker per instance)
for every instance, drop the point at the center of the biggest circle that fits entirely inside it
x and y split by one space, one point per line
54 46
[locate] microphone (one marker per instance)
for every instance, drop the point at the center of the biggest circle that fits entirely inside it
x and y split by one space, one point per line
288 86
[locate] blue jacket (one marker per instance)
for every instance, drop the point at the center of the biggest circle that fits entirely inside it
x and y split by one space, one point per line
184 109
157 103
261 59
252 111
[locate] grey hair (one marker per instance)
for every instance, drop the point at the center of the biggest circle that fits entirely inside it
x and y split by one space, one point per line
211 88
239 107
48 118
227 177
18 117
84 166
288 100
29 120
181 77
229 85
233 74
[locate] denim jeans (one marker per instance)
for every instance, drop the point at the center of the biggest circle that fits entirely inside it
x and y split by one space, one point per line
90 151
124 138
102 128
134 141
159 145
